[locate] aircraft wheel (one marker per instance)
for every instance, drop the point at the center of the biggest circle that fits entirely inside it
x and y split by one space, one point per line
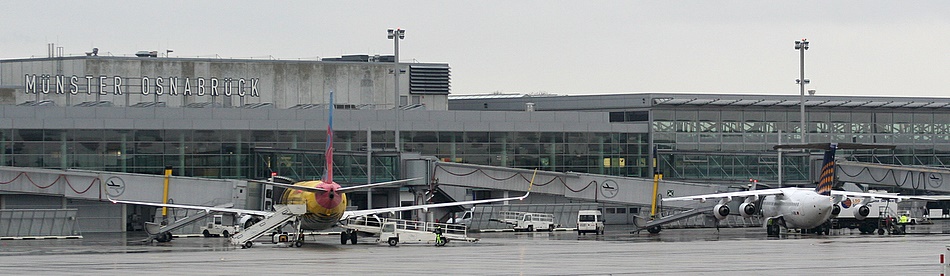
344 237
206 234
393 242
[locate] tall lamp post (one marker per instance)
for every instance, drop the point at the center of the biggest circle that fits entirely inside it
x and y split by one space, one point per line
396 35
801 46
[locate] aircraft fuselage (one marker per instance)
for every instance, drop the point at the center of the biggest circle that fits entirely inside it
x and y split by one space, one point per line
801 209
324 209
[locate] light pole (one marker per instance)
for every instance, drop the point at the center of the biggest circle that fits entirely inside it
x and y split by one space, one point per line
801 46
396 35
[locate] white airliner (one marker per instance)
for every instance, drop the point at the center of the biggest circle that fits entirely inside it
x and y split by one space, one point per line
798 208
325 200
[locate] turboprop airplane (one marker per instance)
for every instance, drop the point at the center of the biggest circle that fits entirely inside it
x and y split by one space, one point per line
798 208
325 200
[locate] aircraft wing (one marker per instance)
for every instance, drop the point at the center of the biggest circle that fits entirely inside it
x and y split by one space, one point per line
343 189
290 186
360 187
359 213
196 207
873 195
727 195
930 197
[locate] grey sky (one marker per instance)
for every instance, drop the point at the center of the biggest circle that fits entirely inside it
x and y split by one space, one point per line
562 47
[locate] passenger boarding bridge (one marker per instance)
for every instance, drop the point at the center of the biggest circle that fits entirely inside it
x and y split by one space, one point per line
23 191
919 180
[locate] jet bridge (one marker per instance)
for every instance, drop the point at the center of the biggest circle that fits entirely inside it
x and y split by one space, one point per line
575 186
920 179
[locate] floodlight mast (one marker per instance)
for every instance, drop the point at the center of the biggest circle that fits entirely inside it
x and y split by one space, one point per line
801 46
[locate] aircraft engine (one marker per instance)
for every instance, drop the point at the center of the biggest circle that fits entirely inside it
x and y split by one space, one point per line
861 212
835 210
721 211
748 209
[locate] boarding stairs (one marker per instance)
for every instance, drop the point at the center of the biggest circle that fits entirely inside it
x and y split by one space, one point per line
673 218
162 233
282 214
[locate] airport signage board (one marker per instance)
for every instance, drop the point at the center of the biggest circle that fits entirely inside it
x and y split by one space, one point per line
144 85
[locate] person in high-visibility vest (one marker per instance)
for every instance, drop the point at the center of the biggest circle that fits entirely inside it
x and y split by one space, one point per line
904 219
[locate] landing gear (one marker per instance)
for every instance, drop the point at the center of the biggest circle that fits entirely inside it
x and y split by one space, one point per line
773 226
348 235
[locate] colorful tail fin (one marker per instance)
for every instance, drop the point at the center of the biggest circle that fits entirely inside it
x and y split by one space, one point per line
328 174
827 172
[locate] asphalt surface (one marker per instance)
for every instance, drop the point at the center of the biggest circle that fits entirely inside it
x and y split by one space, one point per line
732 251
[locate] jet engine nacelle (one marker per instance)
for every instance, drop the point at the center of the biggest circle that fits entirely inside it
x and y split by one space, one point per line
747 209
835 210
721 211
861 212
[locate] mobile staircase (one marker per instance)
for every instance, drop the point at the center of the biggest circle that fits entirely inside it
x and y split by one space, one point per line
162 233
282 214
653 226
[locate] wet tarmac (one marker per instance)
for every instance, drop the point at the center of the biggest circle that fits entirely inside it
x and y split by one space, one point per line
729 251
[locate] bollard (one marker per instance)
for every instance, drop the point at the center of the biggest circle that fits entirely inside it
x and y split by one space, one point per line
943 262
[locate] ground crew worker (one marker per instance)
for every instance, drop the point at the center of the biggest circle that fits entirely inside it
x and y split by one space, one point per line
904 219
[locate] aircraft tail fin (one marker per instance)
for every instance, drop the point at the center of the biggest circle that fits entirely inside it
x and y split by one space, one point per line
827 177
328 174
828 166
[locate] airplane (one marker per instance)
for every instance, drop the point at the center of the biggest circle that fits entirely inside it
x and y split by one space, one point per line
325 199
798 208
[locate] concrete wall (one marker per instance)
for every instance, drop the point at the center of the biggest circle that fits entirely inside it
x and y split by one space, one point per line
282 83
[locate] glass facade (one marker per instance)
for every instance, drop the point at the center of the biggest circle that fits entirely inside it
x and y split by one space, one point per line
197 153
734 143
299 154
622 154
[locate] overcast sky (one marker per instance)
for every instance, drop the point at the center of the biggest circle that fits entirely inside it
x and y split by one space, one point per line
561 47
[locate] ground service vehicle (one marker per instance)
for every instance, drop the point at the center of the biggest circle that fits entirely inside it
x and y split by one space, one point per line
216 229
857 213
525 221
590 221
464 219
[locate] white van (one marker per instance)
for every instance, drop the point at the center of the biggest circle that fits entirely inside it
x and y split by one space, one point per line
465 219
590 221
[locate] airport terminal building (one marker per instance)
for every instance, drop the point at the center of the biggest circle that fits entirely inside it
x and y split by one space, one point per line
244 119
